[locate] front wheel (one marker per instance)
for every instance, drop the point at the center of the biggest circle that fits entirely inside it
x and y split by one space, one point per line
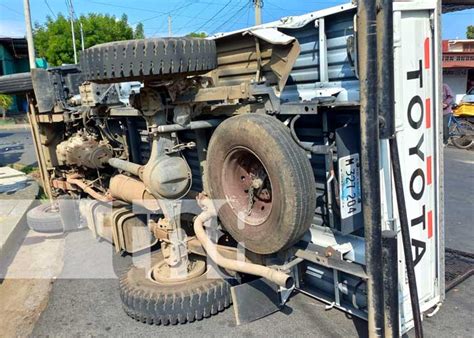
462 135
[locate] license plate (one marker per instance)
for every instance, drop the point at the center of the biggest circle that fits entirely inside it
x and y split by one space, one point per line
349 183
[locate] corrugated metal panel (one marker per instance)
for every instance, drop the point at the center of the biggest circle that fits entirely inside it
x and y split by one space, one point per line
304 82
237 61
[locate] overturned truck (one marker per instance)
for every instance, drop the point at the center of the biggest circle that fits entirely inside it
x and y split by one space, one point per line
301 154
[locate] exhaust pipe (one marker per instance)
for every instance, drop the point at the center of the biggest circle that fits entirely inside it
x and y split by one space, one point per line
131 190
277 277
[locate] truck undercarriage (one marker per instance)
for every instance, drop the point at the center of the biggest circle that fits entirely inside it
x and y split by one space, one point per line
262 153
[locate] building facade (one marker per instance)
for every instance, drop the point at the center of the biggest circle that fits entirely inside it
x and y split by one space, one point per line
14 59
458 66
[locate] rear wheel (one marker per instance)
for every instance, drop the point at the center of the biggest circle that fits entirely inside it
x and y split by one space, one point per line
265 180
149 300
462 135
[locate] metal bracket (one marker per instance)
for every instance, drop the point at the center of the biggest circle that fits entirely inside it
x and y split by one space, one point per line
317 254
180 147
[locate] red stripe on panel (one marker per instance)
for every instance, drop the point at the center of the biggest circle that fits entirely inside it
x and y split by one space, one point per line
428 113
429 171
430 224
427 53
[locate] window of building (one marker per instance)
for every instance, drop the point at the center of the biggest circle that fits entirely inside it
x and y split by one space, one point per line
468 47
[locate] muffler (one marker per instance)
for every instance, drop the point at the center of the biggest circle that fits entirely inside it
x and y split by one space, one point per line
277 277
131 190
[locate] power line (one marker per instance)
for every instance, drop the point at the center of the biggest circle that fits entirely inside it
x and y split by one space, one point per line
174 11
228 15
217 13
162 13
49 7
235 16
149 10
248 17
279 8
70 7
11 9
249 10
197 15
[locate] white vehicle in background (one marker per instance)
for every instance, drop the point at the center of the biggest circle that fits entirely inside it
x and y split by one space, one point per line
469 97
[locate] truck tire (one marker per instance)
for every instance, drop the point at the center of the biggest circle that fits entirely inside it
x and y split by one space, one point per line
16 83
254 150
148 59
44 218
163 304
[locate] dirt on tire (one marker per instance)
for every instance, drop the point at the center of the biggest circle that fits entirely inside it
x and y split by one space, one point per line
293 187
169 304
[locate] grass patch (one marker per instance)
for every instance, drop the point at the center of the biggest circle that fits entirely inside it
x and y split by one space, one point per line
29 169
7 122
42 195
26 169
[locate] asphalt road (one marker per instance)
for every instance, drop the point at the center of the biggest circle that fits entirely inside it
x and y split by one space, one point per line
91 307
459 201
21 143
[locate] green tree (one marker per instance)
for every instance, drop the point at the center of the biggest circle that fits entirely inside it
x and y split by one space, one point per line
470 32
53 39
197 35
139 32
5 102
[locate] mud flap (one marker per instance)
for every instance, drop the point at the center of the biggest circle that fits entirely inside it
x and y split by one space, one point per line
254 300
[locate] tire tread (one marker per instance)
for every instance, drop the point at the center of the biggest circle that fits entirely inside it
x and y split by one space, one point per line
148 59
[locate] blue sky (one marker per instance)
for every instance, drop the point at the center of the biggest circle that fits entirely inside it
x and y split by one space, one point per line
189 15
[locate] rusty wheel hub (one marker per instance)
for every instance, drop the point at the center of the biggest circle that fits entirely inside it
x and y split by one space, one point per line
162 273
247 186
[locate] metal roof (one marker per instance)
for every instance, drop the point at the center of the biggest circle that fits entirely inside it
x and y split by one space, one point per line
457 5
18 47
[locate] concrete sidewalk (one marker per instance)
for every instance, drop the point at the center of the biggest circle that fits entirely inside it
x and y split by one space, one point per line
18 194
14 126
23 292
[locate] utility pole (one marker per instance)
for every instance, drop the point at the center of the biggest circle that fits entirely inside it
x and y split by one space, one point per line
71 16
82 36
258 4
170 31
29 34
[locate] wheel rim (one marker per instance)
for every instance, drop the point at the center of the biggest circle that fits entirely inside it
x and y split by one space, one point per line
463 141
51 209
463 137
247 186
161 272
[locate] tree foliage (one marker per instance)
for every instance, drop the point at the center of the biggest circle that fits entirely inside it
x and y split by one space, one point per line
139 31
53 39
5 101
197 35
470 32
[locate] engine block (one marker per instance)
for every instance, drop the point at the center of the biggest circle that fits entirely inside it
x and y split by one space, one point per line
84 150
